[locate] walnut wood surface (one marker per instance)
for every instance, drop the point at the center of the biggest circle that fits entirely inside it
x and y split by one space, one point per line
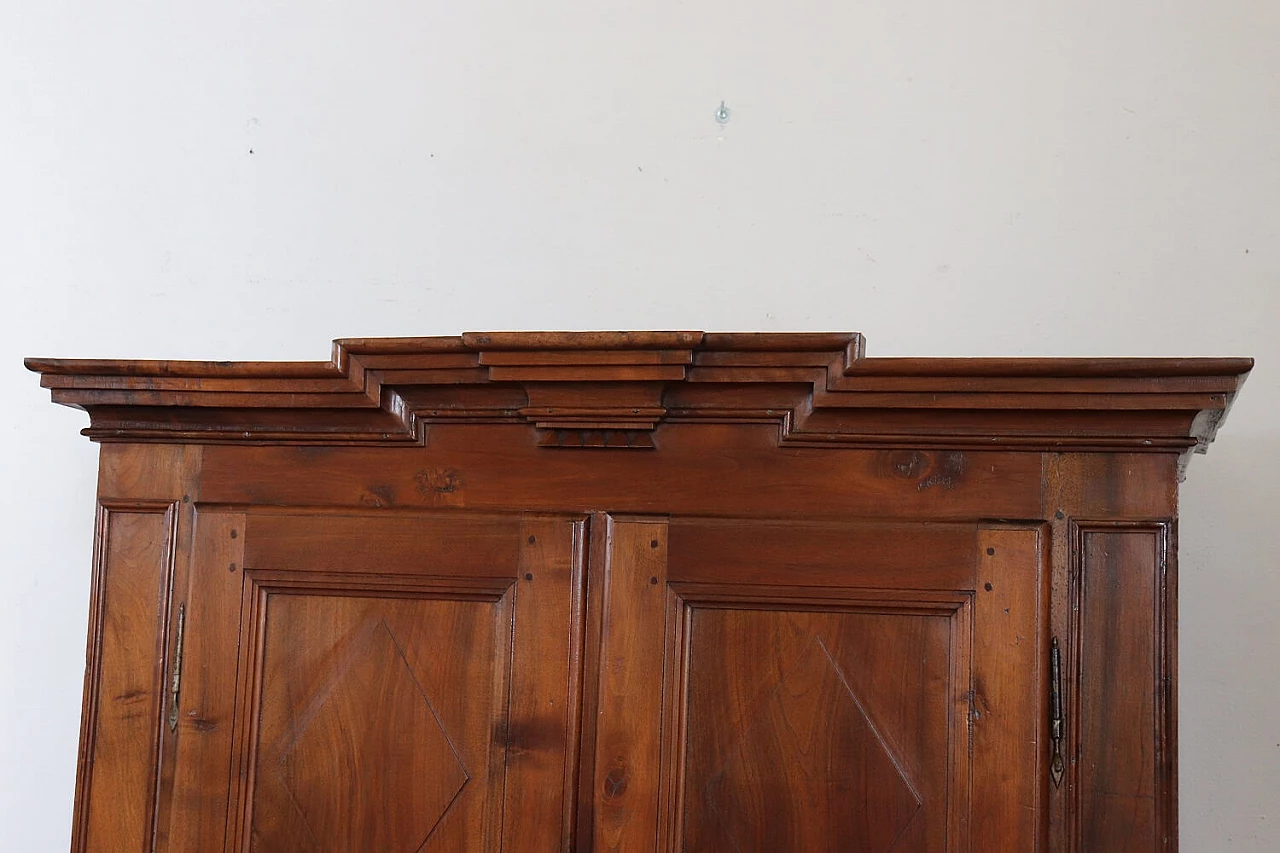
1120 593
638 591
815 389
124 696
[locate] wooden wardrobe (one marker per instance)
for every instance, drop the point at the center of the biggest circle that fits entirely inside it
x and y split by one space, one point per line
635 591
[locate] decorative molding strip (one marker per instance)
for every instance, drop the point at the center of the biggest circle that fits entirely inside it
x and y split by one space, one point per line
614 389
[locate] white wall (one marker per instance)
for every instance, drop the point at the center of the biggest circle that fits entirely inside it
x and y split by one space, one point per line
241 180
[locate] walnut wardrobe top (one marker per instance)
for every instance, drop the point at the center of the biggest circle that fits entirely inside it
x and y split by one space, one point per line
615 390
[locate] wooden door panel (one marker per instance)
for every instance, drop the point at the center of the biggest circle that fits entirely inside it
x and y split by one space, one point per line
1122 626
823 687
120 741
393 699
369 737
820 731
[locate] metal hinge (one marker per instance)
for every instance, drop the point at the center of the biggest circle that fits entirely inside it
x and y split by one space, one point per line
1057 767
175 682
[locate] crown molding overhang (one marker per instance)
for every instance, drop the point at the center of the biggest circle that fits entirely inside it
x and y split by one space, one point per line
616 389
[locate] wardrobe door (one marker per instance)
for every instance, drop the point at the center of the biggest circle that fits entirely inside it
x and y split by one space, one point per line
810 687
400 683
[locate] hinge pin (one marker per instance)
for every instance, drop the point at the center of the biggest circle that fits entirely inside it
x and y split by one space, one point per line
176 681
1057 767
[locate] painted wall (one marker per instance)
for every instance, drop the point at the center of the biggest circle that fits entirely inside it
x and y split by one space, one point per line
242 180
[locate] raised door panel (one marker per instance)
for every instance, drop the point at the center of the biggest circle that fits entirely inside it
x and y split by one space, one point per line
375 722
820 731
821 687
1123 708
404 683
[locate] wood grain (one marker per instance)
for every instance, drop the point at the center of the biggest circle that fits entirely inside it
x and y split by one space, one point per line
544 710
725 470
478 545
810 610
821 731
816 388
1085 491
415 774
125 690
199 797
886 556
750 765
407 698
1009 710
1122 707
629 701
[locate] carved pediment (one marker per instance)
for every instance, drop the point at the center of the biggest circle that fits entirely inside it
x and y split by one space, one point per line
613 390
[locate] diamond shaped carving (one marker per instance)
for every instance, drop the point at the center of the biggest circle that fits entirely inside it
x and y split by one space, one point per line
811 772
373 769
